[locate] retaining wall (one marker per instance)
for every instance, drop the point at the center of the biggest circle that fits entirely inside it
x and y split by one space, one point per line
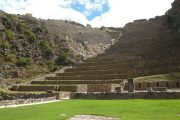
136 95
45 88
99 88
145 85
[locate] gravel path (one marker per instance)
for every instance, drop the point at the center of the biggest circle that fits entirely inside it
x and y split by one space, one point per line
91 117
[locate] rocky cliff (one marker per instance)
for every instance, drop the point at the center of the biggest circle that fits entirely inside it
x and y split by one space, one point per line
81 40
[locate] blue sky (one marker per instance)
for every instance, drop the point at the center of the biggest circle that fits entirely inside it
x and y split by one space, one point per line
98 13
92 11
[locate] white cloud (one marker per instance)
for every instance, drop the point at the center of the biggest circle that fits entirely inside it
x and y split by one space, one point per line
13 6
53 9
121 11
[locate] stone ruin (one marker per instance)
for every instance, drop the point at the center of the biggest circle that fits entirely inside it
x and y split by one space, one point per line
110 75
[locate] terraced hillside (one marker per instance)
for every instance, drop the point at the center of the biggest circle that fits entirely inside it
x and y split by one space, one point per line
30 47
153 42
145 48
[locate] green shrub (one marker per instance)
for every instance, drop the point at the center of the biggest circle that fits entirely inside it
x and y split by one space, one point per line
24 25
11 58
49 53
45 44
4 44
19 28
9 34
62 59
11 17
47 49
52 66
38 29
21 36
7 20
23 62
30 35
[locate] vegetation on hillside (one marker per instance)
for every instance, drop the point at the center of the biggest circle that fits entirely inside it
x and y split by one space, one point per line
24 41
173 18
27 41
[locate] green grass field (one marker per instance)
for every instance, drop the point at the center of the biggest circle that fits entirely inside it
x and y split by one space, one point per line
126 109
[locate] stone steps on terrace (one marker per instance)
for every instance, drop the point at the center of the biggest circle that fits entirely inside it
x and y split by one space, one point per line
118 71
129 63
72 82
121 55
95 68
149 72
112 57
90 77
121 66
113 61
128 72
95 72
68 88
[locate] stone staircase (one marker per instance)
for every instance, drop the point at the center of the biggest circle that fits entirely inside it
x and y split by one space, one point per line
139 52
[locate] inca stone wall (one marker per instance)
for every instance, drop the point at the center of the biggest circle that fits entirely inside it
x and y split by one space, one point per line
136 95
99 88
146 85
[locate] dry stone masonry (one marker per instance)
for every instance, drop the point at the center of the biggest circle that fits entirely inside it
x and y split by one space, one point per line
143 49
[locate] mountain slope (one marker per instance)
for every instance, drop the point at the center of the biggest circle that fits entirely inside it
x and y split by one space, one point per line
30 46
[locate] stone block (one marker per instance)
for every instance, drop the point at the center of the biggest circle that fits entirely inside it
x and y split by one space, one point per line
130 85
98 87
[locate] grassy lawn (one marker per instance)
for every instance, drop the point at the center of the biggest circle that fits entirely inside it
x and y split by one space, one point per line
126 109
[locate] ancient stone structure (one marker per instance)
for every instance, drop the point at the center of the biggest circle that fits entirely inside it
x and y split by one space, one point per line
130 85
171 84
130 95
28 15
137 53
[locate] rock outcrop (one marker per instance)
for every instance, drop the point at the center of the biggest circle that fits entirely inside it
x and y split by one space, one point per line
81 40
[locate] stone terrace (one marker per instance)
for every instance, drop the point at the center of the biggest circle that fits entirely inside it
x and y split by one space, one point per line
144 49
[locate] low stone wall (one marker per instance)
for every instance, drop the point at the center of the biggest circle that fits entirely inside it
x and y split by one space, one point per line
36 88
6 103
145 85
99 88
69 88
53 82
36 96
21 98
136 95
